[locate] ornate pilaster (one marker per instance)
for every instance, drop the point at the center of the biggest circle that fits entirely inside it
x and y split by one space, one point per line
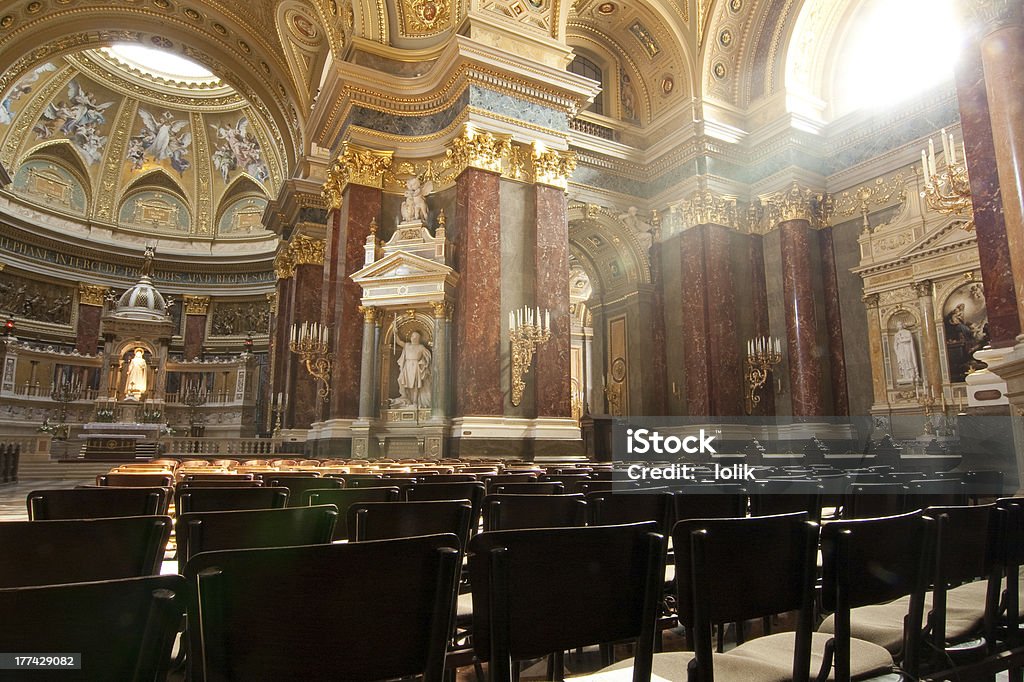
442 323
196 311
880 393
90 311
306 256
552 168
929 335
367 378
553 381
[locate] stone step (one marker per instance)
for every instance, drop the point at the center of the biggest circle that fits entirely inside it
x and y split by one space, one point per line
32 471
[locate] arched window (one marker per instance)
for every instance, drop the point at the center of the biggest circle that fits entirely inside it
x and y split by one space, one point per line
581 66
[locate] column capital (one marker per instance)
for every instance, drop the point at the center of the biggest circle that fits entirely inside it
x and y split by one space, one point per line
442 309
795 203
480 149
369 313
196 305
552 167
871 300
987 16
705 207
924 288
358 166
91 294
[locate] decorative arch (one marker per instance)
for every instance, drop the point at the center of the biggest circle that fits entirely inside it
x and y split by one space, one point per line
302 37
156 179
53 175
155 209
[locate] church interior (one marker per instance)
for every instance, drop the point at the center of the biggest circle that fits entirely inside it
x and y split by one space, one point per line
314 286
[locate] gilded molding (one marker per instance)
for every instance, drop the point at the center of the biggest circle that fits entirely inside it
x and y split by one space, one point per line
303 250
478 149
871 300
355 165
196 305
370 313
91 294
442 310
284 267
795 203
924 288
704 207
552 167
272 301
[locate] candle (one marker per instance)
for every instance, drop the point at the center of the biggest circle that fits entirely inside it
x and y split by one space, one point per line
547 320
924 168
945 145
952 151
931 157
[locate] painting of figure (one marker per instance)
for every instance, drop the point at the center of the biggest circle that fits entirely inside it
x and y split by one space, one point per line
79 118
965 323
238 149
23 87
164 138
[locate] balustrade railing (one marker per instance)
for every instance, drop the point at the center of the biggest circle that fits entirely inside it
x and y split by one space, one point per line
224 447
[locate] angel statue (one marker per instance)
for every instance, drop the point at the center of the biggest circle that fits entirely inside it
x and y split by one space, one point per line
413 373
415 205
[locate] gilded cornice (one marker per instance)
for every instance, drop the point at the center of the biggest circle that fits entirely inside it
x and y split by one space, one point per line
196 305
478 149
355 165
370 313
705 207
284 268
91 294
796 203
303 250
442 310
551 167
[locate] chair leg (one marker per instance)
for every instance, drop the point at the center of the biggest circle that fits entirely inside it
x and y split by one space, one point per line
606 655
556 666
478 668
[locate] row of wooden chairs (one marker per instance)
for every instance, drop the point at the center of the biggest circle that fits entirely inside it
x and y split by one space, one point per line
10 454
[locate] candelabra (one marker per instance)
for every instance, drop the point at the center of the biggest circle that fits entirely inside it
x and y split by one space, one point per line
948 192
277 411
526 330
763 353
67 391
194 396
310 341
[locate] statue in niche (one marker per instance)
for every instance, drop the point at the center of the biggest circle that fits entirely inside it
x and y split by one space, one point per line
640 227
415 205
413 373
135 382
906 355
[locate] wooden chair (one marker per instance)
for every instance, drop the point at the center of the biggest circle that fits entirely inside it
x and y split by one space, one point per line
189 478
873 500
570 481
345 498
695 503
127 480
229 499
520 512
297 485
400 617
387 520
96 503
617 508
81 550
427 491
123 629
772 497
226 483
214 531
874 576
924 493
535 488
541 592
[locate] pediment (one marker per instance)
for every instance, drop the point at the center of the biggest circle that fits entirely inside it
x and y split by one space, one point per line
949 235
402 265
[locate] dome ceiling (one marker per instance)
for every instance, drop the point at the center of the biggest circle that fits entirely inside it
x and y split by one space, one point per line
140 141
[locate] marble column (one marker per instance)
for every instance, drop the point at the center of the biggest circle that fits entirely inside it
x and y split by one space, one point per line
724 358
282 362
759 310
879 388
552 381
439 371
658 389
990 225
834 323
929 335
367 375
477 360
196 310
90 312
695 332
1002 55
801 320
307 287
348 228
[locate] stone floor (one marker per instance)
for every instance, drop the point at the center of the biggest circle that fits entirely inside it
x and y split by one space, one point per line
12 497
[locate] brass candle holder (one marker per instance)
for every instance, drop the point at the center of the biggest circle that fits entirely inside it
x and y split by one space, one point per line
526 330
311 342
948 192
763 353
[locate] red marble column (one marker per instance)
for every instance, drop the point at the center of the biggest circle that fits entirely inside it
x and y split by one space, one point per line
725 361
693 297
990 226
347 230
87 334
306 293
759 310
195 334
834 322
478 343
551 263
801 321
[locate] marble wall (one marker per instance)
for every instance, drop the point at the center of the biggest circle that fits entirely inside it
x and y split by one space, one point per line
551 293
517 283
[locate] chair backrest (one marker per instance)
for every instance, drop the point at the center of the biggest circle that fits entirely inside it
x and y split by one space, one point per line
604 509
249 529
571 481
873 500
343 498
96 503
925 493
692 503
123 629
497 479
287 474
534 488
773 497
776 569
229 499
387 520
427 491
297 485
218 477
126 480
452 478
539 591
310 599
81 550
518 512
874 561
223 483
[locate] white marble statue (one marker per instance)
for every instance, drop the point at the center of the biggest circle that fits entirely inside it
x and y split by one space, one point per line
413 373
639 226
415 205
906 355
135 383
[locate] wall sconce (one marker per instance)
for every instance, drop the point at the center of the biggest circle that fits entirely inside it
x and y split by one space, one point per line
526 330
763 353
310 341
